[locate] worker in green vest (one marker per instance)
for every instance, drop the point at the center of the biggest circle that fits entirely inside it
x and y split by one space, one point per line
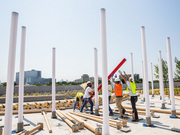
79 97
131 88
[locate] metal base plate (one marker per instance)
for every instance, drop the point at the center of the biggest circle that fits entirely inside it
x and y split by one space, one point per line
114 117
148 125
125 129
156 116
176 129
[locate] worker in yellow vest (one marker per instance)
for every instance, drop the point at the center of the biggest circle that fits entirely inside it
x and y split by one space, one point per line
119 95
79 97
131 88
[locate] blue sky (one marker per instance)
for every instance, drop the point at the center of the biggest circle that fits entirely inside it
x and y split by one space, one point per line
73 28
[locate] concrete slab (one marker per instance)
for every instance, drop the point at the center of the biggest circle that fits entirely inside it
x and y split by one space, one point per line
163 125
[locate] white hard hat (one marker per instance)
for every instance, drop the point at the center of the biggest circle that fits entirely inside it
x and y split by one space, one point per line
117 80
88 82
130 78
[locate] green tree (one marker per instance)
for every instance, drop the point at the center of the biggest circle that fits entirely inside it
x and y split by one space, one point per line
4 84
177 72
165 72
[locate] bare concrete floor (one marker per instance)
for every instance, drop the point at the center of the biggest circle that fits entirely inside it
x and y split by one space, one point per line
162 125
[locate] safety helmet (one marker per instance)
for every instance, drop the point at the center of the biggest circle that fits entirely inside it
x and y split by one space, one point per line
117 80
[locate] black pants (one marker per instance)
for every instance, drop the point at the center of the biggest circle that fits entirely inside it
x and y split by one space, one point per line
134 99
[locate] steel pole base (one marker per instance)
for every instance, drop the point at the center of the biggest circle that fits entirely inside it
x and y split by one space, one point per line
20 127
173 114
148 122
97 112
54 115
143 99
163 106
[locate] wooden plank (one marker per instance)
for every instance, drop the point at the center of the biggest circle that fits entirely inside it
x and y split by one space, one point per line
73 126
38 127
47 122
96 130
80 124
123 123
151 109
116 125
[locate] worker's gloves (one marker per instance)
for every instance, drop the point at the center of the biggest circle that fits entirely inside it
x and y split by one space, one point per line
120 72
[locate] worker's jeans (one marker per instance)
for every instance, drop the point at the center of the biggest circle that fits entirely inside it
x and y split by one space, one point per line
110 110
74 106
134 99
85 101
119 106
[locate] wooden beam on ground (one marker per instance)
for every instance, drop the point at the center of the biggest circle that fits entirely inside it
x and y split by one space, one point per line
116 125
177 97
130 111
38 127
80 124
151 109
17 133
111 120
73 126
47 122
96 130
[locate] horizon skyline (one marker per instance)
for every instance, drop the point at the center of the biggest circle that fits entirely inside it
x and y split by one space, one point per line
73 28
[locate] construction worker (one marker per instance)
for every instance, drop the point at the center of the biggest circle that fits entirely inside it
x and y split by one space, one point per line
88 93
79 97
131 87
110 91
119 95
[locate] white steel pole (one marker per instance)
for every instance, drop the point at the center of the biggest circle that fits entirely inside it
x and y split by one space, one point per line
143 83
152 80
132 71
146 84
161 80
104 74
53 82
96 81
21 80
170 72
10 75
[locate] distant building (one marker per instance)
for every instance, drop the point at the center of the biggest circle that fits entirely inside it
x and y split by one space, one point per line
85 77
78 81
33 77
92 79
136 76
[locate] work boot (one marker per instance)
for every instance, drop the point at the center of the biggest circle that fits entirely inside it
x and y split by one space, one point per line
135 120
123 111
111 114
92 113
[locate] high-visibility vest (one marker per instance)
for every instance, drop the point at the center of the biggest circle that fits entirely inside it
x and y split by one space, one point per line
133 87
112 91
118 90
79 95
